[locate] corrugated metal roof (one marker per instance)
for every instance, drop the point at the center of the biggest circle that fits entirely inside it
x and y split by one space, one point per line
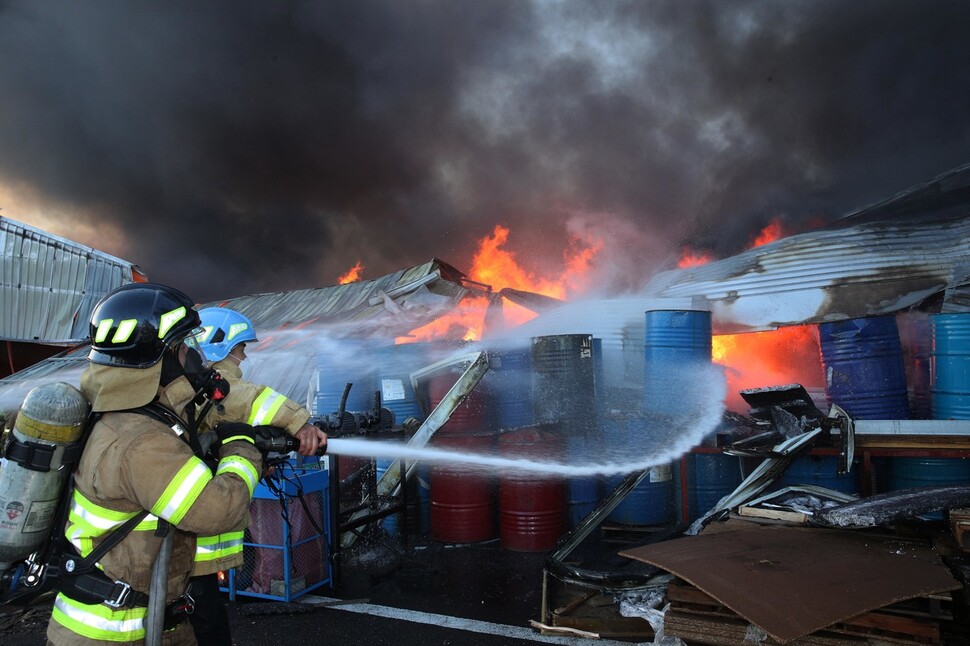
49 285
866 270
295 328
385 307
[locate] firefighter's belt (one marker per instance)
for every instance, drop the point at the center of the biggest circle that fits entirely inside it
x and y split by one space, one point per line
95 587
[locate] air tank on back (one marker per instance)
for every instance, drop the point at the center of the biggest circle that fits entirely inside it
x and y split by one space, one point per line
51 419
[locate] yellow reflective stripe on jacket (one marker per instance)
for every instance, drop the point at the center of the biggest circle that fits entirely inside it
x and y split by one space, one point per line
210 548
87 520
97 621
182 491
264 408
241 467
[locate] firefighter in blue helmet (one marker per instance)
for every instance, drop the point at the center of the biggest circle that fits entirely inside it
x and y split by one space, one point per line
223 338
139 472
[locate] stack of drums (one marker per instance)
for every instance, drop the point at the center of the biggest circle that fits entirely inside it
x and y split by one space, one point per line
950 366
462 501
564 388
531 507
866 377
677 356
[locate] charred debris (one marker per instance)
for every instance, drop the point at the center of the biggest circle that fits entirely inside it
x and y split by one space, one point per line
799 564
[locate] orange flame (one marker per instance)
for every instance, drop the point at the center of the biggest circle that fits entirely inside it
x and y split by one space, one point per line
497 266
777 357
352 275
770 233
690 258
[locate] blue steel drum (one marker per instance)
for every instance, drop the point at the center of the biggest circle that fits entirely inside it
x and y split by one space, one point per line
650 503
418 501
820 471
391 524
582 497
395 363
908 473
509 380
711 476
864 371
583 493
951 366
337 369
929 472
675 341
916 338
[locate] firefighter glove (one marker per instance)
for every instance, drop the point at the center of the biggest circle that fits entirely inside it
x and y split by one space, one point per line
235 432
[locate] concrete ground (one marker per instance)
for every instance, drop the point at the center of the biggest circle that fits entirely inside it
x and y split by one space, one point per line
431 593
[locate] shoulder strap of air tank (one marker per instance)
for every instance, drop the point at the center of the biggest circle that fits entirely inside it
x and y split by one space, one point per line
169 418
60 540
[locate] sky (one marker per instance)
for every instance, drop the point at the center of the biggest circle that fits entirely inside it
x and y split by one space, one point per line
238 147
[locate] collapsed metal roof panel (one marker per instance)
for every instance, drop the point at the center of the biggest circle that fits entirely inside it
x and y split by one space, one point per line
865 270
293 327
387 307
49 285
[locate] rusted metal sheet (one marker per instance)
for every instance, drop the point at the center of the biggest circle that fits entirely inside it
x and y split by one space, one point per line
49 285
764 572
863 270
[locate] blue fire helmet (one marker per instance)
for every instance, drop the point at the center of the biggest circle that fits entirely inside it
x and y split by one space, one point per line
222 330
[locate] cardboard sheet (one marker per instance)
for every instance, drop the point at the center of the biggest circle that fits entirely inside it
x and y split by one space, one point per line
793 581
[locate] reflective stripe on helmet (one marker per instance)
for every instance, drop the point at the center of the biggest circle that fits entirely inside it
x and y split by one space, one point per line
125 328
236 328
241 467
204 333
211 548
265 407
97 621
182 491
102 330
168 319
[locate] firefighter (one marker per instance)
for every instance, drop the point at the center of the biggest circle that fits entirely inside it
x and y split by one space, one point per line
223 340
143 381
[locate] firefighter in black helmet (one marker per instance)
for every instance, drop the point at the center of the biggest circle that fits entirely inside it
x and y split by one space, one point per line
143 380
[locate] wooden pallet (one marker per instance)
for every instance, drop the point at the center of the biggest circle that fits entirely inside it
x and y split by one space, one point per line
569 609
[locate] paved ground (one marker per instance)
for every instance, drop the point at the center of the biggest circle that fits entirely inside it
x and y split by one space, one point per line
476 595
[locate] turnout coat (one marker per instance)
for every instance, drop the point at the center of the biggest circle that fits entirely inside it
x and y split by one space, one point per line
133 462
257 405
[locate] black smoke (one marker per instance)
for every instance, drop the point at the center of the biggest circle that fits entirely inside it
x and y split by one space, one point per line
248 146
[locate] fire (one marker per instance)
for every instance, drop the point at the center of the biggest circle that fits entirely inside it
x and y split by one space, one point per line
770 233
352 275
757 359
495 265
691 258
464 322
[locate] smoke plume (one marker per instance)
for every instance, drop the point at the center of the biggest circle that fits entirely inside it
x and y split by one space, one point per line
233 147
